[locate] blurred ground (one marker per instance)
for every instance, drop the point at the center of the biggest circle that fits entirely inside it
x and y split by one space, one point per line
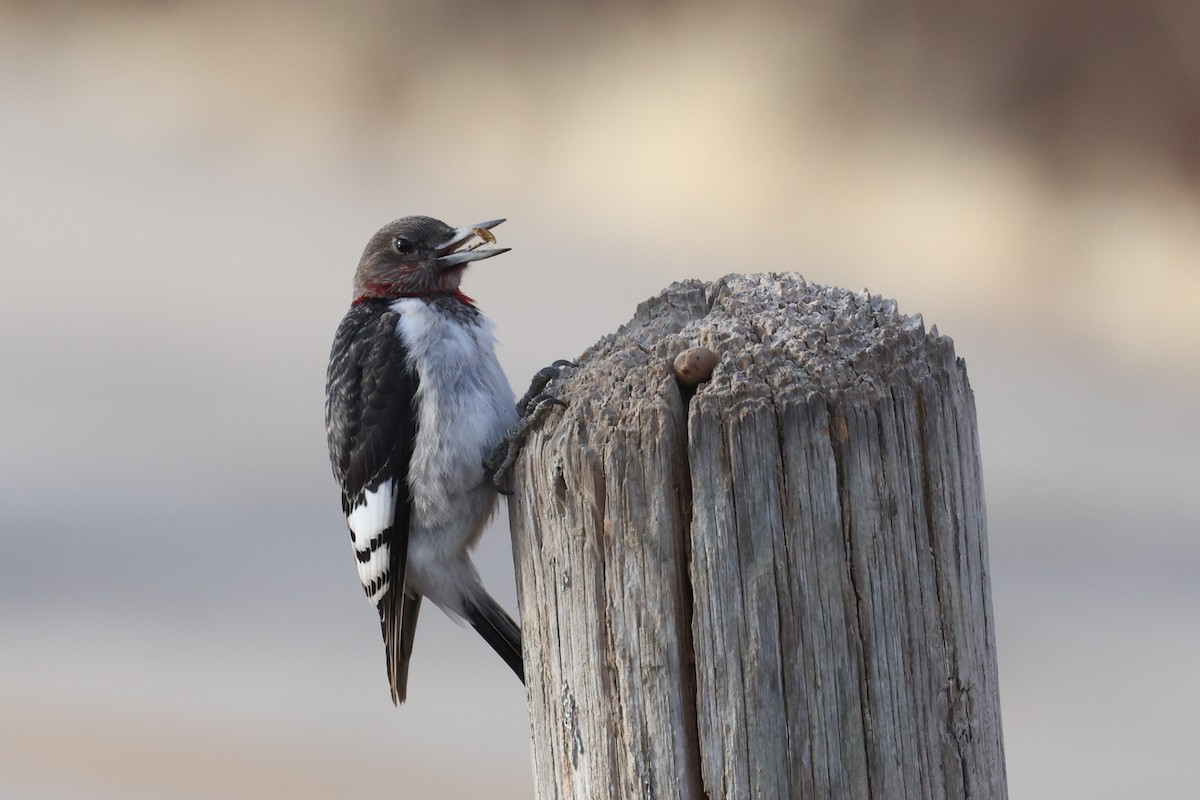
190 183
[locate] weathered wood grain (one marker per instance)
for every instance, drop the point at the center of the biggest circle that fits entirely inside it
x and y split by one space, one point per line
775 586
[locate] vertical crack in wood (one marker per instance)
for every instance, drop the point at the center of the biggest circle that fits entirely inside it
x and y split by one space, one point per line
782 578
735 554
839 439
687 622
954 685
605 667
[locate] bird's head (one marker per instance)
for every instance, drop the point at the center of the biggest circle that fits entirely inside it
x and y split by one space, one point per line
416 256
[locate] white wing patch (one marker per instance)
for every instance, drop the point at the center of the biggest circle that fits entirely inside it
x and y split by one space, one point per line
367 522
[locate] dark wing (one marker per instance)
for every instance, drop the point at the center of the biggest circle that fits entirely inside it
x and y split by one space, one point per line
371 427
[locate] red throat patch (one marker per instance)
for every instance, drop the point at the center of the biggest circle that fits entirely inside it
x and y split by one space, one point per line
378 291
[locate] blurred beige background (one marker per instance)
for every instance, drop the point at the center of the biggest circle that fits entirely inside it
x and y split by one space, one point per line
187 187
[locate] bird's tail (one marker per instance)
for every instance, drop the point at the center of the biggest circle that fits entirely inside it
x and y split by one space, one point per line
497 629
398 615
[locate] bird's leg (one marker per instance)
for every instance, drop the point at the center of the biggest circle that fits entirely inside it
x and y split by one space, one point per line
531 408
501 460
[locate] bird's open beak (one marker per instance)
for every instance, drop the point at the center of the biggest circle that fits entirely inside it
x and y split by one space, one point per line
449 254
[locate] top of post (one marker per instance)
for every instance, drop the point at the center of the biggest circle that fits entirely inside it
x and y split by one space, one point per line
772 333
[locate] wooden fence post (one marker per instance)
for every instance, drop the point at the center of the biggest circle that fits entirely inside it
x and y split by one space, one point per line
773 587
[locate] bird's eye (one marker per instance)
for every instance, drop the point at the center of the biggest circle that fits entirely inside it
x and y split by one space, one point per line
403 246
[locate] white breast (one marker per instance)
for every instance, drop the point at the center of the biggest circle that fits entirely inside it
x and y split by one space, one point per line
465 405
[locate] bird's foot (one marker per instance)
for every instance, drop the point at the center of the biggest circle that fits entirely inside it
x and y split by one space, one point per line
533 406
541 379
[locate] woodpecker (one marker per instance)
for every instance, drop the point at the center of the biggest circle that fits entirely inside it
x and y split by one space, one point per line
415 404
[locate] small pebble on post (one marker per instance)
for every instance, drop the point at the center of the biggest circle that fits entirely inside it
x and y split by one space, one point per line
752 557
694 366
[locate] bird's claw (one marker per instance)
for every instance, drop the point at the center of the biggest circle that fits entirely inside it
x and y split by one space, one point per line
541 379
